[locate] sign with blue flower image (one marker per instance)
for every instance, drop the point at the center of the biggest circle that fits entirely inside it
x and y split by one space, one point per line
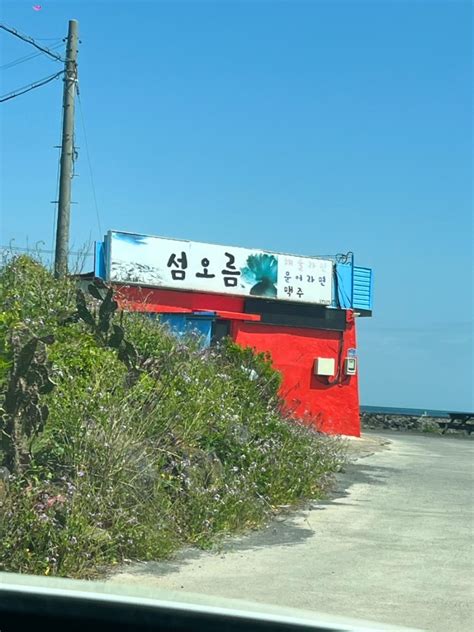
190 265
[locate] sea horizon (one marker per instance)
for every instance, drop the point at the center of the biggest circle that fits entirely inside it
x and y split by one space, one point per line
398 410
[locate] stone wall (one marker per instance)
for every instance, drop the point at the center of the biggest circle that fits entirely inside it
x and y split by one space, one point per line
382 421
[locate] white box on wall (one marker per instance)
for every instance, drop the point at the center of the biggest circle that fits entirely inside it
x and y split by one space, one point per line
324 366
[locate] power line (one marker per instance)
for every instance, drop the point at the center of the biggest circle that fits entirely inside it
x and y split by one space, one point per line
31 86
30 40
94 195
21 60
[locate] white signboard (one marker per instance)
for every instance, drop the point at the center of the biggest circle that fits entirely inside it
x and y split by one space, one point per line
189 265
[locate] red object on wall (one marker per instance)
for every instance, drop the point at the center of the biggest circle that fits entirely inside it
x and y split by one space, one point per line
332 408
331 404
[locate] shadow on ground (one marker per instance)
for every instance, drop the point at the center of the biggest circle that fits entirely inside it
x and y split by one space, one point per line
290 529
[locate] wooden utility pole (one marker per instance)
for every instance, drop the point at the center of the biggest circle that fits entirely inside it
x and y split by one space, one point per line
67 151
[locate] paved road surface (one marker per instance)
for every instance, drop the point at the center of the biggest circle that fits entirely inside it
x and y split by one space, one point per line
394 545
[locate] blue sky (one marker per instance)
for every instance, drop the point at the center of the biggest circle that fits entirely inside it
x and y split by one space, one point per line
313 128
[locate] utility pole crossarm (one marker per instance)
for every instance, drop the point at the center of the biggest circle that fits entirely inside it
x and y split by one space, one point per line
67 151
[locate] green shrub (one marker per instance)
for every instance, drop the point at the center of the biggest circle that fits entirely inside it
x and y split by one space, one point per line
146 450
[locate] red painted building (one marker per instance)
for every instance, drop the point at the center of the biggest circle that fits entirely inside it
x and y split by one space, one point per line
312 344
332 403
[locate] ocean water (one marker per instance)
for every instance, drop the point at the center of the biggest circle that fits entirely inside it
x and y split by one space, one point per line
418 412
